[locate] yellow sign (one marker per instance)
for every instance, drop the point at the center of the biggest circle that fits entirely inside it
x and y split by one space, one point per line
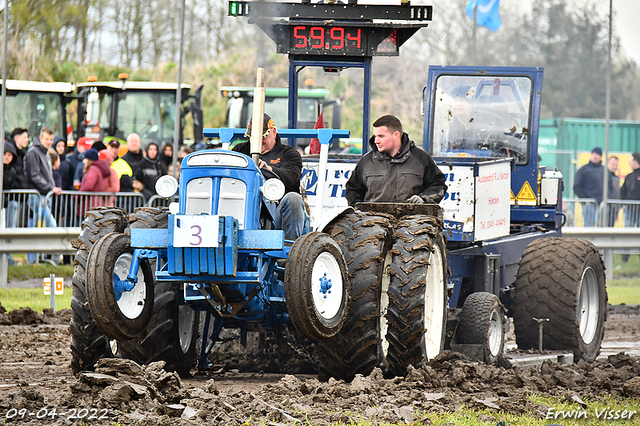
59 283
526 196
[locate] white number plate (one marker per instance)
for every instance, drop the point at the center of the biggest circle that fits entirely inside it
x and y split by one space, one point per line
195 231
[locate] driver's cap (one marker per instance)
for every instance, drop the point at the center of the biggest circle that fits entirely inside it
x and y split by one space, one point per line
267 124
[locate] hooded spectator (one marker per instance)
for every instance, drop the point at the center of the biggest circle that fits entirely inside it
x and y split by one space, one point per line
148 171
166 154
19 139
9 175
60 146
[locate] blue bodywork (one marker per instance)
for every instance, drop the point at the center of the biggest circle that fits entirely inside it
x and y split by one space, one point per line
237 279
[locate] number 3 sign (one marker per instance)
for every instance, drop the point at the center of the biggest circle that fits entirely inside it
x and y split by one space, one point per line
195 231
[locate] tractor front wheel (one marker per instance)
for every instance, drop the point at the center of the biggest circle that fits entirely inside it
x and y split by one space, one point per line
316 286
121 309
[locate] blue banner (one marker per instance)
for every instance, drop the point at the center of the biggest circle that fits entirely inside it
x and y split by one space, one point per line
487 13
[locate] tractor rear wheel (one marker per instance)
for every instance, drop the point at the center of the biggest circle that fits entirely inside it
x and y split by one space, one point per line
483 322
358 348
88 343
417 311
316 286
561 279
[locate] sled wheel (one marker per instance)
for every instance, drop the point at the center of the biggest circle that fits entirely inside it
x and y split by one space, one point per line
88 343
483 322
316 286
561 279
120 308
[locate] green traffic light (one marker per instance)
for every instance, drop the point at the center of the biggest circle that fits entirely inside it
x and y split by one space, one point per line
233 8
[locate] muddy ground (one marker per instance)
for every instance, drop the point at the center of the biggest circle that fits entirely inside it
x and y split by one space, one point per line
35 377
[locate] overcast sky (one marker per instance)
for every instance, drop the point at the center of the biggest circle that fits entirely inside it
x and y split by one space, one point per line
626 18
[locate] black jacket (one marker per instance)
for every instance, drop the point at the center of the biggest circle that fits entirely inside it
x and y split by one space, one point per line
588 183
285 161
18 163
68 169
9 175
148 172
631 186
381 178
133 159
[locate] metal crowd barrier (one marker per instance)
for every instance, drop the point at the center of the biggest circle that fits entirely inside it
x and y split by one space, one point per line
158 201
69 208
581 212
26 208
585 212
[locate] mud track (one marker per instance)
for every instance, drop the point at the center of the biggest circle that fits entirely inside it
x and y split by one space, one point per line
35 375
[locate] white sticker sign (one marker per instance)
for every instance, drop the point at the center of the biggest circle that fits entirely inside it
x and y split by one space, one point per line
59 283
195 231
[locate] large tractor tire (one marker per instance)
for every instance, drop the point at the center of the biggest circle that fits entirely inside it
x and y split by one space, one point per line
316 286
88 343
172 333
483 322
120 309
563 280
358 348
417 311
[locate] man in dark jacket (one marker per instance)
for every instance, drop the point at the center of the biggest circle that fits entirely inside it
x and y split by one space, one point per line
19 139
282 162
9 182
134 151
39 176
588 184
395 170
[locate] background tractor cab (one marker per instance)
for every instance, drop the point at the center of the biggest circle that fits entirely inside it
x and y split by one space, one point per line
34 105
310 103
114 109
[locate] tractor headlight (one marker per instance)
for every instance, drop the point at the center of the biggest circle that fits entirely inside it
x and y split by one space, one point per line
273 189
166 186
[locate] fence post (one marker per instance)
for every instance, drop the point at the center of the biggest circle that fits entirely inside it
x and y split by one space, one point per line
4 258
52 296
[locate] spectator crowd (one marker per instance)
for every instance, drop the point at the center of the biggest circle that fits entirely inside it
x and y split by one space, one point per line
51 165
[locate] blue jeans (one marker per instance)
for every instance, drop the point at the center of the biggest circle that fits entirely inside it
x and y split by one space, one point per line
42 217
589 214
291 216
13 208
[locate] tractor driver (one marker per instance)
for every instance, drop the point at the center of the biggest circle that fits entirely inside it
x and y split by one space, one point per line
283 162
395 170
462 129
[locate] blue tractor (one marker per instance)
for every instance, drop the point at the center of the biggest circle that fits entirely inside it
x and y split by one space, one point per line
142 280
